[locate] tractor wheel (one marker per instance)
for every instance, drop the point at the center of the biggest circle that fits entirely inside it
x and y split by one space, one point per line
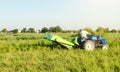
89 45
105 47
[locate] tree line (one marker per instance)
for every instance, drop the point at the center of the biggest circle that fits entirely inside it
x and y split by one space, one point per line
33 30
24 30
56 29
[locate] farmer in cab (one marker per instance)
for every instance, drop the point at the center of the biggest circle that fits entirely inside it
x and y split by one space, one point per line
84 34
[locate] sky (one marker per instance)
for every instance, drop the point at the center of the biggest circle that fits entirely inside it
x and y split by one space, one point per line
68 14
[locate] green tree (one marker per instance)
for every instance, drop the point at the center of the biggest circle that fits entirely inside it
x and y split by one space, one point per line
14 31
119 31
52 29
44 30
107 30
89 30
31 30
4 30
100 31
58 29
24 30
55 29
113 31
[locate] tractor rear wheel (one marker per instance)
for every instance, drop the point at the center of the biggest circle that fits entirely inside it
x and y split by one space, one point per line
89 45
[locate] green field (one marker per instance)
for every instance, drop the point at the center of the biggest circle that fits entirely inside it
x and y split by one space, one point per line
32 53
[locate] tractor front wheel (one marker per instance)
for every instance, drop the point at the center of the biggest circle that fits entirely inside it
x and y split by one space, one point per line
105 47
89 45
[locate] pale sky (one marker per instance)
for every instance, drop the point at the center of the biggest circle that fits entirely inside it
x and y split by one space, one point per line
69 14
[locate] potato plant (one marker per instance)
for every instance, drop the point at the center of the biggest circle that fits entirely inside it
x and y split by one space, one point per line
29 52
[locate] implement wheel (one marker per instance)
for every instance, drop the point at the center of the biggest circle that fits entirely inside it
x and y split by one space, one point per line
89 45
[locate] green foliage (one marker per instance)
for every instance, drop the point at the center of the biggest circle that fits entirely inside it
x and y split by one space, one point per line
113 31
5 30
24 30
31 30
119 30
32 53
14 31
55 29
89 30
100 31
44 30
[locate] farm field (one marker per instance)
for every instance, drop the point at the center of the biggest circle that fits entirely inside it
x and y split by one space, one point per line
30 52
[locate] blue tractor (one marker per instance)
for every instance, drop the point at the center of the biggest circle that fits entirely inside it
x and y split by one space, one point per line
91 43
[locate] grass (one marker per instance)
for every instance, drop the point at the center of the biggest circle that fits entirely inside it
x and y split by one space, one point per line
32 53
